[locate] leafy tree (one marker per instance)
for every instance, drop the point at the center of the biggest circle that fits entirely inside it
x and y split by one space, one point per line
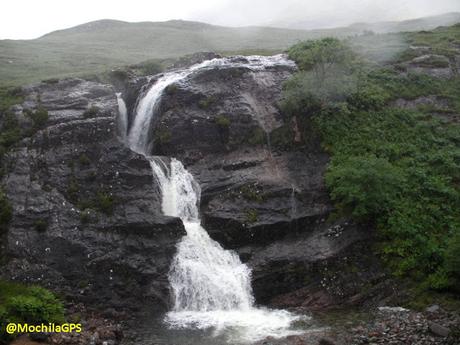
322 57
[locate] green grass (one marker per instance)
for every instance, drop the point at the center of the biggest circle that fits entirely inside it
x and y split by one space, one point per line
109 44
442 40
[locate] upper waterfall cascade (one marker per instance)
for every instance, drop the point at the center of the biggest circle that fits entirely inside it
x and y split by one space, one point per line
211 287
138 138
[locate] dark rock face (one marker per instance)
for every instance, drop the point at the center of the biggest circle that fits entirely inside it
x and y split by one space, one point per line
217 111
87 217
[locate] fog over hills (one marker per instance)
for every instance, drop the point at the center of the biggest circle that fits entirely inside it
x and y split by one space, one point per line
103 44
424 23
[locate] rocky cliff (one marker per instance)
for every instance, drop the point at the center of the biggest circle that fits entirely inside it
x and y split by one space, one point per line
87 218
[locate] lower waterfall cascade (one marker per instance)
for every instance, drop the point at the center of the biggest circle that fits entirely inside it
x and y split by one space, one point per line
211 287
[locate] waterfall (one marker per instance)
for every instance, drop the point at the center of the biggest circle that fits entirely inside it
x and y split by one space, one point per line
138 138
211 287
123 117
203 276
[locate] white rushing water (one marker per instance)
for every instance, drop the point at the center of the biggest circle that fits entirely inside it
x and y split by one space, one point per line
123 117
211 286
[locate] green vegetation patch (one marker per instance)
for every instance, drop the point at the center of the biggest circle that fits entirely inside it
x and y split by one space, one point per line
10 97
10 132
223 121
92 111
27 304
6 212
251 216
39 117
442 41
103 202
400 171
207 102
393 169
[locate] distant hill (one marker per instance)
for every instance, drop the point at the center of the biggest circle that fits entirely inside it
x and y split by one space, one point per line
425 23
104 44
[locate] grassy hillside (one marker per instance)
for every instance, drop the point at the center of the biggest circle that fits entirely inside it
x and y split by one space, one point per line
423 23
427 23
97 46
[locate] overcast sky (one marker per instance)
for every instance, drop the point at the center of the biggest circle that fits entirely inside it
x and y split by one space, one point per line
33 18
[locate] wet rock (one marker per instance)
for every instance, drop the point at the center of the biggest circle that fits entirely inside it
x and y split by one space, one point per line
102 239
326 341
433 308
438 329
437 66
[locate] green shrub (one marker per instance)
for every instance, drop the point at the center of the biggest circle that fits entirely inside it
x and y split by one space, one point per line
252 192
452 261
148 68
171 89
51 81
84 159
163 136
6 212
92 111
118 75
102 202
321 55
207 102
10 133
41 225
223 121
42 306
73 189
364 186
368 99
85 216
105 203
251 216
39 117
10 97
27 304
283 137
257 137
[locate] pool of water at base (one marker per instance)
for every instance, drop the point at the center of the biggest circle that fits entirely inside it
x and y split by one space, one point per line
156 332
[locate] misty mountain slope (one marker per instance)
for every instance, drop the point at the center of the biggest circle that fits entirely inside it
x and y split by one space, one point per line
424 23
97 46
